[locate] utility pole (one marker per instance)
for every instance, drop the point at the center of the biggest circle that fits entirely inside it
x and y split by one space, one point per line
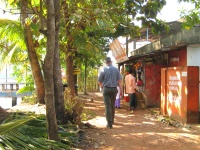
127 35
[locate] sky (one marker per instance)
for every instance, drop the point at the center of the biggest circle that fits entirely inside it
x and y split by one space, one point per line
6 15
171 11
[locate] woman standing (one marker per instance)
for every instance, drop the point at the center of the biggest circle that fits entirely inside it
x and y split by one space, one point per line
130 89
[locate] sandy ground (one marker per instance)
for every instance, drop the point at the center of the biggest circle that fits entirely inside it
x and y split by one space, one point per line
138 131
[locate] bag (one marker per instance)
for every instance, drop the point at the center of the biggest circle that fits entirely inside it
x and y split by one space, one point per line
139 83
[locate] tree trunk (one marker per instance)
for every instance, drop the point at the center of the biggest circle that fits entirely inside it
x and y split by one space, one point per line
58 86
70 77
85 74
35 66
3 114
48 73
69 54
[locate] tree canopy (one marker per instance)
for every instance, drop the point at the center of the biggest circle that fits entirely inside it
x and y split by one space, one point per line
191 17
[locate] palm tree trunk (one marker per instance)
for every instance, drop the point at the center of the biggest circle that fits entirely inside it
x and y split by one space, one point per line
58 86
48 73
35 66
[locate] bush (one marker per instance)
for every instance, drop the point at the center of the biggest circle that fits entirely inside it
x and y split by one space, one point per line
74 108
30 99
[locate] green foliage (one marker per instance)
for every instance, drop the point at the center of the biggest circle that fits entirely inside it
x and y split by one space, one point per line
13 51
191 17
87 115
23 75
30 99
89 27
28 131
11 30
159 26
74 108
90 72
146 12
12 46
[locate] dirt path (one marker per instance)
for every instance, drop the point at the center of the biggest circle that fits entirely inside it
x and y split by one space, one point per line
138 131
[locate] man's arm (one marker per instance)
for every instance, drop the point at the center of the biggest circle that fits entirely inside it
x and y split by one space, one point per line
100 81
101 85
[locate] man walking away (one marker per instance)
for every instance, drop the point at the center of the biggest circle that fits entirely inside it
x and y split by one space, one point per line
109 79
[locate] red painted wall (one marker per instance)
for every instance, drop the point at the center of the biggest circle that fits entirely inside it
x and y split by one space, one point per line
177 58
152 84
153 75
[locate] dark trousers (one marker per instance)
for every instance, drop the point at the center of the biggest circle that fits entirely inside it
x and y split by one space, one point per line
133 101
109 95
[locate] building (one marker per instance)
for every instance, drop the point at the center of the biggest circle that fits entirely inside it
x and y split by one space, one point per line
169 70
9 87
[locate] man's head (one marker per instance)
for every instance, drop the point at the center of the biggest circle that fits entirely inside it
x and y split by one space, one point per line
108 60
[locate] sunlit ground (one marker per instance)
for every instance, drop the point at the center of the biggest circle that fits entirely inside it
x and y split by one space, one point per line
139 131
100 122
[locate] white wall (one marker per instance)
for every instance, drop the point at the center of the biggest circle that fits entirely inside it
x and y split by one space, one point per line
193 55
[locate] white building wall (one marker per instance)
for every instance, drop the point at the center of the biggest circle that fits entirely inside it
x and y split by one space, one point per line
138 45
193 55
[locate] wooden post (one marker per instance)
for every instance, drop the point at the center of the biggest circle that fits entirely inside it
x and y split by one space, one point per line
14 101
17 86
3 87
11 87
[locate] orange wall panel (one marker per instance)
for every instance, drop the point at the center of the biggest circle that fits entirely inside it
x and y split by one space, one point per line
181 93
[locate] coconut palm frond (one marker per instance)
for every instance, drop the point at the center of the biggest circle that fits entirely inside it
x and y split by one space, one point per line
12 32
13 139
16 140
12 43
2 147
4 128
7 54
12 55
6 143
27 132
